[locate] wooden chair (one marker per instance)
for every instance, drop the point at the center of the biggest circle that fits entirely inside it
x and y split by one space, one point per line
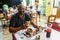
51 19
3 19
34 17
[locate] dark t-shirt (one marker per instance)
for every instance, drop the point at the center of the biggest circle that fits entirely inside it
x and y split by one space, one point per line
17 22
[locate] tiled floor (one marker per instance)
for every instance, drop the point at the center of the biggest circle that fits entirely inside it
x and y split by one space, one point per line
1 32
7 35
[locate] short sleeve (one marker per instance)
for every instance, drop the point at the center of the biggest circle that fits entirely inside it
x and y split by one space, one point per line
27 17
12 22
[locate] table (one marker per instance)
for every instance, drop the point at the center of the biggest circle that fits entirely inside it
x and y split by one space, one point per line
55 35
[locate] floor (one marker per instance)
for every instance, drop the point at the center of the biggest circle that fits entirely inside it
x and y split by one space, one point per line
1 34
8 36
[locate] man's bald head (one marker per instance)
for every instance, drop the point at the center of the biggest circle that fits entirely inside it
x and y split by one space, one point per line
21 6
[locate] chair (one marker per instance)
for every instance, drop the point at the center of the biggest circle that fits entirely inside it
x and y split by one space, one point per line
3 19
34 17
51 19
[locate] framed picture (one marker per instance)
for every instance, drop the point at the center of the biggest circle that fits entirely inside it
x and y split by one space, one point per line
56 4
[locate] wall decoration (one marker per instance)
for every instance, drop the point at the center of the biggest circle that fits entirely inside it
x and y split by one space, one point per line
56 3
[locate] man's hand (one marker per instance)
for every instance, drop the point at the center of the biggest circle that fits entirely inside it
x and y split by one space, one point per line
24 26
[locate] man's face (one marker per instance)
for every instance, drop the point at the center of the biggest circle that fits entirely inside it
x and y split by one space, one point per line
21 9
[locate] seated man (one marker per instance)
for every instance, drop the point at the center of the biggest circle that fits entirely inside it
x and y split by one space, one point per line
18 20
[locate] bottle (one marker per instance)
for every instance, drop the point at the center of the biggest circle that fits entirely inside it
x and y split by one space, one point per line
48 33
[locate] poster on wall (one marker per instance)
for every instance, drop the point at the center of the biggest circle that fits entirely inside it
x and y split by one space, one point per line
56 3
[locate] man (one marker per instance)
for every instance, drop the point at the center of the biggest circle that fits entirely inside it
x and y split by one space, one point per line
5 9
18 20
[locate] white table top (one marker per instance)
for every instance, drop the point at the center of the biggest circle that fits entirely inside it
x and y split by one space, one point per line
55 35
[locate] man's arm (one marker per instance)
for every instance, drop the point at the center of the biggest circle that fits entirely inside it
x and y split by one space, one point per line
28 18
14 30
12 24
34 25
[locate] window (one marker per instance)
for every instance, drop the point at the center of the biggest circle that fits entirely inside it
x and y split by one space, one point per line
56 3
